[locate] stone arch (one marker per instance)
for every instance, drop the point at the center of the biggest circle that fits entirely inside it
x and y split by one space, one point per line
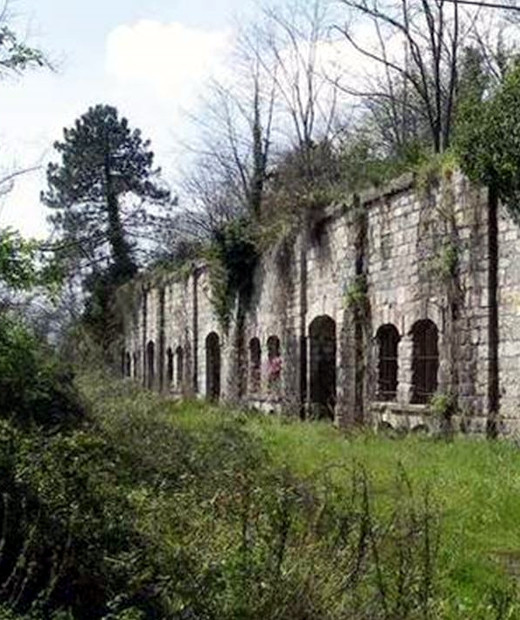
150 364
213 366
425 361
255 365
179 363
169 366
274 363
387 338
322 336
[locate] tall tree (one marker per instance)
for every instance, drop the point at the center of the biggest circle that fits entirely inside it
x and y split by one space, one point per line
230 169
417 52
101 191
293 49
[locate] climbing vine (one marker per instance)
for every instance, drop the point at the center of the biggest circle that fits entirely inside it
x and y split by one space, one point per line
355 295
232 257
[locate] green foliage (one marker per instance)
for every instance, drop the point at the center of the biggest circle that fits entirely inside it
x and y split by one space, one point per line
35 388
232 257
488 140
229 534
355 296
16 56
22 266
180 510
434 170
100 193
103 163
443 265
363 167
442 405
101 316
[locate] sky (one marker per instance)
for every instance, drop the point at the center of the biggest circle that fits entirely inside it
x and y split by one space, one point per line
149 58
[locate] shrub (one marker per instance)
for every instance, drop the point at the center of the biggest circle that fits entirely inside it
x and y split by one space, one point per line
35 387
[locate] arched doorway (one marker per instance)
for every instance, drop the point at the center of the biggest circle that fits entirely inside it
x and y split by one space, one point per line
213 366
322 335
150 364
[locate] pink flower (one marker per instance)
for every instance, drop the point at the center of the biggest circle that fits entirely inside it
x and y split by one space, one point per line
274 370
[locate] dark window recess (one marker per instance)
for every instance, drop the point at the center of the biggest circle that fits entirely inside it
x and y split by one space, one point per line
169 366
322 335
213 367
150 364
388 341
425 361
179 358
274 362
255 365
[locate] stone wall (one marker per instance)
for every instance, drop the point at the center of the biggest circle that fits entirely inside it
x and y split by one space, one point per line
379 306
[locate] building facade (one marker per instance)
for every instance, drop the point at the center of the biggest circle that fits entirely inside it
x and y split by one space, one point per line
390 309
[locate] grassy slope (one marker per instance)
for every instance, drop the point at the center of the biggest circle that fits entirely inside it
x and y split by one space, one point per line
475 484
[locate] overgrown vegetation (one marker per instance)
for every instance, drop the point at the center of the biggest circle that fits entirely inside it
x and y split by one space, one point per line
151 509
487 140
115 504
232 257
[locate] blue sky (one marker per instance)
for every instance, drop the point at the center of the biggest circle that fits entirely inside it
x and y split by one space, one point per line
149 58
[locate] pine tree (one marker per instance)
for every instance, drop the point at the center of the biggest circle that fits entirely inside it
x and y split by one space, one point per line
100 192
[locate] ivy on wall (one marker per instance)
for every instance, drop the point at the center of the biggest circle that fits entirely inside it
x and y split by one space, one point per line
232 257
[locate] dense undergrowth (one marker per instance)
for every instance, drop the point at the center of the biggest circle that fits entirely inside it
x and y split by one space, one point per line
146 508
118 504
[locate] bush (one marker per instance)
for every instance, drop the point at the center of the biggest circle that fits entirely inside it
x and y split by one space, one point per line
35 387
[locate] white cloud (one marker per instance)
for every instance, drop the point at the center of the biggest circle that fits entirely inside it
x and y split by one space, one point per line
172 59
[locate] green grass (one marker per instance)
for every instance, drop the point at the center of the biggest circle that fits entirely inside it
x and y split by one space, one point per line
474 484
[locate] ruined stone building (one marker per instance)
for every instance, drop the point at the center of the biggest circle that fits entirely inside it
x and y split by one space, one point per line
399 307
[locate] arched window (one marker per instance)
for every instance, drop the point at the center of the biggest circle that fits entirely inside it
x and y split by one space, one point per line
322 335
274 363
425 361
150 364
179 358
128 365
169 366
387 341
213 366
255 365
